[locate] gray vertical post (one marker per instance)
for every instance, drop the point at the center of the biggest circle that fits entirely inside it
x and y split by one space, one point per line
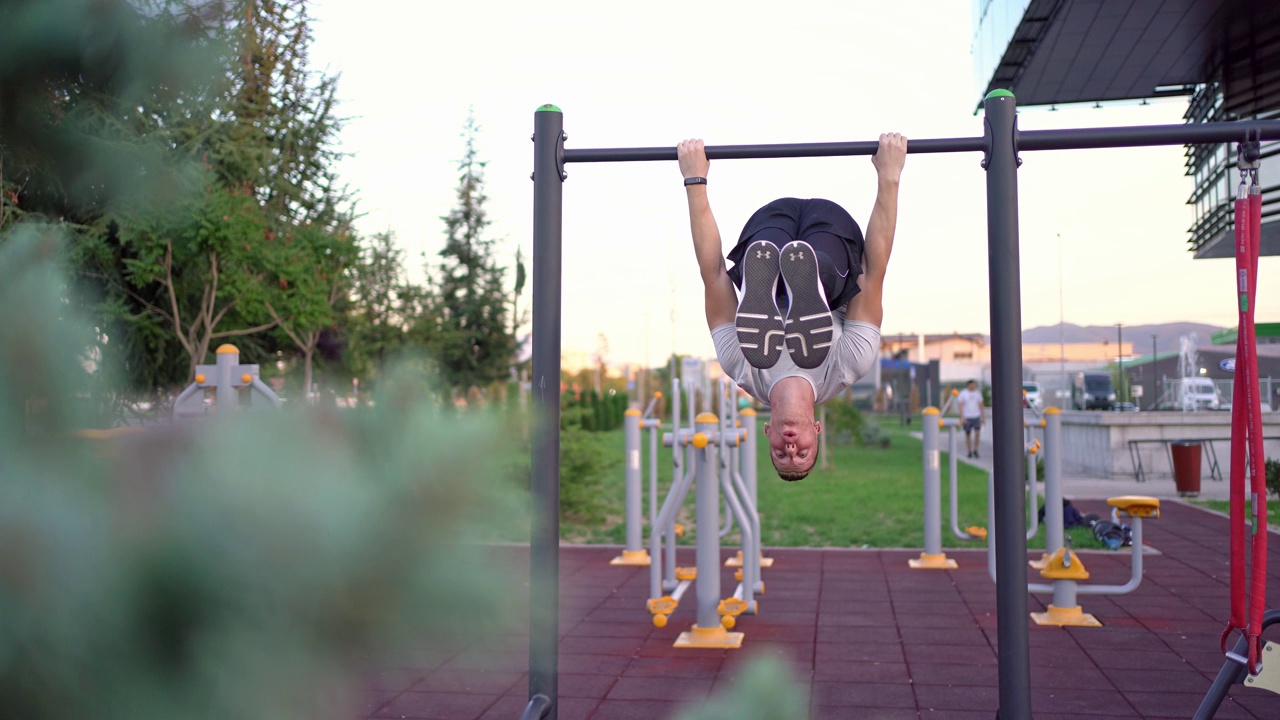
634 553
544 535
748 462
1001 164
225 394
707 512
1053 530
932 558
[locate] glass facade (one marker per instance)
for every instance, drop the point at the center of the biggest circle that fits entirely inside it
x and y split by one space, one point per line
994 22
1213 170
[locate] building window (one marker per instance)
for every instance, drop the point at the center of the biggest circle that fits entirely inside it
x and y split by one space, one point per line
963 356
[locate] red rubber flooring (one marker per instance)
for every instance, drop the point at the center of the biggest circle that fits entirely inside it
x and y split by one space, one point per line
869 639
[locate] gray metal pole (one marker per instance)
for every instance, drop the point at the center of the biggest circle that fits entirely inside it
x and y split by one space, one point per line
631 434
707 512
1053 530
932 482
1001 163
225 394
544 535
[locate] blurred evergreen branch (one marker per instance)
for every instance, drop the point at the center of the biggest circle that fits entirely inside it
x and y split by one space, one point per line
251 566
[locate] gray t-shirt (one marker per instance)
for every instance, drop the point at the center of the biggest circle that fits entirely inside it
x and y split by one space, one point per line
855 346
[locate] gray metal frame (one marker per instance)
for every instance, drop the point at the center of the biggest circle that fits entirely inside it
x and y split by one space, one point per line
1000 145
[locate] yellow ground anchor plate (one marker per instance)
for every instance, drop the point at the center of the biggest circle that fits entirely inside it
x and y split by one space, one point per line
686 573
736 561
1268 677
716 637
632 557
928 561
1065 617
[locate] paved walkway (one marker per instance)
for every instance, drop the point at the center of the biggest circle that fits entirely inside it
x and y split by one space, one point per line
867 638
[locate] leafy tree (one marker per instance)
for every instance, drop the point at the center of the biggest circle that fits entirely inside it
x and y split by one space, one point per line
310 278
469 335
216 250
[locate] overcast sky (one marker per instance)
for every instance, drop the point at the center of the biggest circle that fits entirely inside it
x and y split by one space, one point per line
648 74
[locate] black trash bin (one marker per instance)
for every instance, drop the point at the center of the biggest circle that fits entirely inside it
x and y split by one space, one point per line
1186 467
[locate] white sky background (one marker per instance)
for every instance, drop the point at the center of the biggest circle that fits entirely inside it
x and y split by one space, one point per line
651 74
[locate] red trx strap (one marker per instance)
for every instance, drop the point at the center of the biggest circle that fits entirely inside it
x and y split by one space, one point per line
1246 423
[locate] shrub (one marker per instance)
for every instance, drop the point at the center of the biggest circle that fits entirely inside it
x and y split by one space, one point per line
844 424
1273 477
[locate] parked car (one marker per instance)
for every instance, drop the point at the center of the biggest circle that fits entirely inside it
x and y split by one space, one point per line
1126 407
1031 395
1092 391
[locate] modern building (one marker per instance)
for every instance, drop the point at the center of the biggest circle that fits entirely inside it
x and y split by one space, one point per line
1223 55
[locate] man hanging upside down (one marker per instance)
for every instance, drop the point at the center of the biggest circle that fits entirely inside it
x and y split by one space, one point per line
794 262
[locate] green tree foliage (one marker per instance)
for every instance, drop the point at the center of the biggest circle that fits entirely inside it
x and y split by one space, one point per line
384 307
467 330
252 566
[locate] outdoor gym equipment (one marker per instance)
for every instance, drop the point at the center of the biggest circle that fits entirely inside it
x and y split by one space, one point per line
933 557
1000 145
633 423
227 377
1060 565
707 456
1247 607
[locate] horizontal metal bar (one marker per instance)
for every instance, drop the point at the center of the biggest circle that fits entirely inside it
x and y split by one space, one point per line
786 150
1071 139
1146 135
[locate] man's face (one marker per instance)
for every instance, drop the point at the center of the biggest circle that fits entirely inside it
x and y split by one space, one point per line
972 386
793 449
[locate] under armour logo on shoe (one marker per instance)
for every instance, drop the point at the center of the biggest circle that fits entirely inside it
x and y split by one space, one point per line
797 255
763 254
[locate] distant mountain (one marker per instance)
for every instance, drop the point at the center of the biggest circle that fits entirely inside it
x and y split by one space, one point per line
1168 335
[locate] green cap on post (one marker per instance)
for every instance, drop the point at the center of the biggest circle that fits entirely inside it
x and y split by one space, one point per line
998 92
548 108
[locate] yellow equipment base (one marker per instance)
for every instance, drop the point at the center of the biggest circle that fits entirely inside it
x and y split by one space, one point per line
1040 564
716 637
736 561
632 557
1065 617
927 561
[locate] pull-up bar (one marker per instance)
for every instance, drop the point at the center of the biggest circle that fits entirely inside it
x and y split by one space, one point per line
1000 144
1081 139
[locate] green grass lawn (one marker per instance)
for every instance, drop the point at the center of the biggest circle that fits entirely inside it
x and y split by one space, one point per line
871 497
1222 506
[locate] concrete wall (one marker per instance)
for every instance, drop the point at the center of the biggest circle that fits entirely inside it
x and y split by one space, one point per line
1096 444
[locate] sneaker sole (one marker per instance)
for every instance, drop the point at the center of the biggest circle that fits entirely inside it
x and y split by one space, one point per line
809 328
759 322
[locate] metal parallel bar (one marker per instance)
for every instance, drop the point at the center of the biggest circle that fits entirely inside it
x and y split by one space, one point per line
1010 499
1072 139
544 486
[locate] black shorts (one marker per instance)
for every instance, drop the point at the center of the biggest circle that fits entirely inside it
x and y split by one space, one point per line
827 227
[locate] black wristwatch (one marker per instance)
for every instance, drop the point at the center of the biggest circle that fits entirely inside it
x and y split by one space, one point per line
695 181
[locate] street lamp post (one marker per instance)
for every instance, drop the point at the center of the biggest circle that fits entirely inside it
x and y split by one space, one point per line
1120 362
1155 378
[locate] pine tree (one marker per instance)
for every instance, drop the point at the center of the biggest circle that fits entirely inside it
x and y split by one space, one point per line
470 339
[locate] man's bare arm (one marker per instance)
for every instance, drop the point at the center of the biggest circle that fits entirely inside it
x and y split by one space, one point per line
867 305
721 300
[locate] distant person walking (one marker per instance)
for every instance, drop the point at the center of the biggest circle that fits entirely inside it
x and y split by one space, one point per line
973 415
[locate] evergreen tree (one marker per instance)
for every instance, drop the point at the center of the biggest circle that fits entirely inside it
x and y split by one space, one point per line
382 304
470 337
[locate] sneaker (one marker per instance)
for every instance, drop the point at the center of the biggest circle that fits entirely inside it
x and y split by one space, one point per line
809 325
760 329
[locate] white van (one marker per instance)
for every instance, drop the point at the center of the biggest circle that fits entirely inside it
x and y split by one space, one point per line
1198 393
